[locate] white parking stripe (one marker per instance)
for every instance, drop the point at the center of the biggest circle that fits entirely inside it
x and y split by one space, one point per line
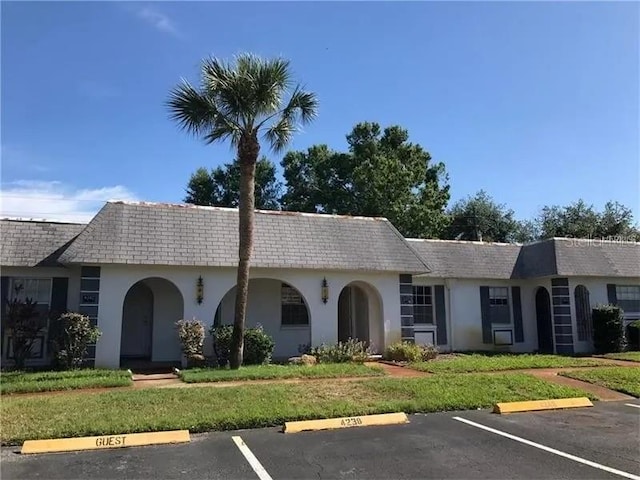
549 449
632 405
251 458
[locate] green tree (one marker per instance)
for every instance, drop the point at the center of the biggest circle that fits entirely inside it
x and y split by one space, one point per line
221 186
381 174
240 102
479 217
580 220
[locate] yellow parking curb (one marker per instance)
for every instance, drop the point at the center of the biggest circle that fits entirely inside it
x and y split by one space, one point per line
105 441
534 405
346 422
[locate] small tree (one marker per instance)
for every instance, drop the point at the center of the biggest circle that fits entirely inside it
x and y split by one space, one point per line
191 333
24 323
608 333
70 335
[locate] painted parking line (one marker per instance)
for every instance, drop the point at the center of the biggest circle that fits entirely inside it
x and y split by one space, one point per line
251 458
549 449
632 405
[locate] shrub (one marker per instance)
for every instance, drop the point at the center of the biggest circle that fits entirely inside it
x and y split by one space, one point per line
350 351
69 336
633 335
608 334
258 345
191 334
429 352
403 352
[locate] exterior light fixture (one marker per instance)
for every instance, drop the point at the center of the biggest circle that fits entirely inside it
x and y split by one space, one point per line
325 290
200 290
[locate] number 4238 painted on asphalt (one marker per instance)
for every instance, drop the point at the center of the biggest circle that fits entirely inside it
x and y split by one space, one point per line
351 422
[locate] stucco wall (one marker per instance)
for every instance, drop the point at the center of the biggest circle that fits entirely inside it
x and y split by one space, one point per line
117 279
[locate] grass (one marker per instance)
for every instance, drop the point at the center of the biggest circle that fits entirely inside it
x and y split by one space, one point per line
629 356
265 372
478 362
21 382
622 379
206 408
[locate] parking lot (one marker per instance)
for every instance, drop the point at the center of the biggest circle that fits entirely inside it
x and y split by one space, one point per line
598 442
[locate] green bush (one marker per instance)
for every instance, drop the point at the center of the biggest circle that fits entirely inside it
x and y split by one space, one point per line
350 351
191 334
69 336
403 352
258 345
608 333
429 352
633 335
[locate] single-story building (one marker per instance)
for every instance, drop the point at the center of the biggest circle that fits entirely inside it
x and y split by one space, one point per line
137 268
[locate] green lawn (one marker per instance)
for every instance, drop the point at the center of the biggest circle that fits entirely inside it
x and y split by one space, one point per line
206 408
20 382
630 356
622 379
478 362
265 372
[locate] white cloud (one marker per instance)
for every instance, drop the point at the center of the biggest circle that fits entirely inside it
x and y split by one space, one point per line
53 200
159 20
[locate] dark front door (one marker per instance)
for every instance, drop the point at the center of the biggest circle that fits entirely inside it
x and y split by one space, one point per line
545 324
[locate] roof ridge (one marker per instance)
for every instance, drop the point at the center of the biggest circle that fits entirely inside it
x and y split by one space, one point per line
466 242
30 220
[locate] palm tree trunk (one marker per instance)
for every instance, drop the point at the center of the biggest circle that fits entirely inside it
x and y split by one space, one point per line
247 156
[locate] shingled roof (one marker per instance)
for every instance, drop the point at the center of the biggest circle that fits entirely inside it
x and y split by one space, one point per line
28 243
463 259
166 234
553 257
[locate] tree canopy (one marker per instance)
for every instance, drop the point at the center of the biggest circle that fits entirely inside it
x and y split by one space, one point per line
221 186
381 174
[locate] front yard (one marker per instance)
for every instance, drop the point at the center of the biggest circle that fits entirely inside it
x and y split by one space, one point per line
629 356
479 362
280 372
205 408
622 379
21 382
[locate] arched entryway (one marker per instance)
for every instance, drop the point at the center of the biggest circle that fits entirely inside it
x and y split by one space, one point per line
279 307
151 308
544 321
360 315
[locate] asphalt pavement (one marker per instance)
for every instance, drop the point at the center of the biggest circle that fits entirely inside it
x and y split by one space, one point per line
599 442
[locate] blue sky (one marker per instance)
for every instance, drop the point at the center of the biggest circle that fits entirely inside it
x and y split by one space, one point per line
537 103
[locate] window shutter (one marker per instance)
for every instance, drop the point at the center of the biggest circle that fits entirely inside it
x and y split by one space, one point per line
4 286
59 290
486 315
441 315
611 294
517 314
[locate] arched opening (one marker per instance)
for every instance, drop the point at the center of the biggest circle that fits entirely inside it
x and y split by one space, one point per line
279 307
583 313
360 315
151 308
544 321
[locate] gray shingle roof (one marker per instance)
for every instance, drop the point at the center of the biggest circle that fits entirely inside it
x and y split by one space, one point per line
553 257
163 234
462 259
30 244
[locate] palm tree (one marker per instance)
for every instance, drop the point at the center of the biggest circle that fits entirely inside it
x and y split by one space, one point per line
239 102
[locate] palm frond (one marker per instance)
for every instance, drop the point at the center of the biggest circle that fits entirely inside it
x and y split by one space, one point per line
304 105
192 110
279 134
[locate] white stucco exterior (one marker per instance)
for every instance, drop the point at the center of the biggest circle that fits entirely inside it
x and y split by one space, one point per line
115 281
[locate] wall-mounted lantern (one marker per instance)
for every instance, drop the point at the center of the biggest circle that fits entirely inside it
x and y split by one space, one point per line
325 290
200 290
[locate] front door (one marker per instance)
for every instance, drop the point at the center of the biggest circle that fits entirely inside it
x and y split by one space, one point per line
544 321
137 322
345 311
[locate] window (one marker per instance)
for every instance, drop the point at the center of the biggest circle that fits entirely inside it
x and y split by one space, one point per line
498 296
294 310
583 312
37 289
422 304
628 298
499 305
